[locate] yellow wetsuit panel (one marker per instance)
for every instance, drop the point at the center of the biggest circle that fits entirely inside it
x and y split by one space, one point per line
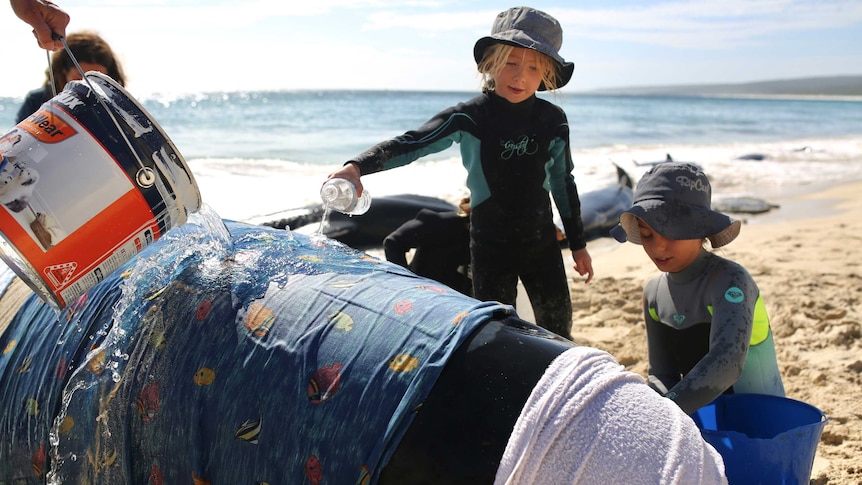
760 325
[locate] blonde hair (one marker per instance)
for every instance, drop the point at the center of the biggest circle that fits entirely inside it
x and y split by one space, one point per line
495 59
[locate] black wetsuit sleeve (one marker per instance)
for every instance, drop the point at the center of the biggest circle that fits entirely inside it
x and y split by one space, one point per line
427 228
400 241
436 135
564 190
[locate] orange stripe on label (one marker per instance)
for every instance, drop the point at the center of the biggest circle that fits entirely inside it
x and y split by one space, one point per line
90 244
47 127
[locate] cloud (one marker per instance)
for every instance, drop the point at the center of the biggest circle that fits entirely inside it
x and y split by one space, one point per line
426 21
710 24
191 45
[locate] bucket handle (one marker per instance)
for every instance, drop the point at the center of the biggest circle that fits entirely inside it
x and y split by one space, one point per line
146 177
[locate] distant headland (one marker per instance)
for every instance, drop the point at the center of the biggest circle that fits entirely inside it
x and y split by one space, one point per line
827 86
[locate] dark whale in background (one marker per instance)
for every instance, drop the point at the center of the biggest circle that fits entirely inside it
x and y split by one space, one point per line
737 205
367 231
755 157
235 353
743 205
600 211
667 158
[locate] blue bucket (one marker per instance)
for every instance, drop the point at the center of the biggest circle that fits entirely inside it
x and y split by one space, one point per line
763 439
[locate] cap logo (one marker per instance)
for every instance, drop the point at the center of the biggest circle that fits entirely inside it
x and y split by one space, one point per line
692 184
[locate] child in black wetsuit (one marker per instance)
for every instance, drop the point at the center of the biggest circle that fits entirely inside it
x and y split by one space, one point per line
515 148
707 328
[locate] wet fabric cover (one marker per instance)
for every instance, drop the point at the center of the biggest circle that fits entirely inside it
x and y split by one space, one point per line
200 356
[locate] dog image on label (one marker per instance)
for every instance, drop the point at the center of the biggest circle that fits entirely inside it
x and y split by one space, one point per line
16 187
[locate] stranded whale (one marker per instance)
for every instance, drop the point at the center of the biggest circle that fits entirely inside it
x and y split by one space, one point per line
600 211
367 231
235 353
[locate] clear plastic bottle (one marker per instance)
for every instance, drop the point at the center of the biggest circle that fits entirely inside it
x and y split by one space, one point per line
340 195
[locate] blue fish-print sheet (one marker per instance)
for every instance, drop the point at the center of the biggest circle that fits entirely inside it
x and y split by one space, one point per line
227 354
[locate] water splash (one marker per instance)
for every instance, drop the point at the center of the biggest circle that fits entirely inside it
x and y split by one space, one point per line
53 477
204 241
319 238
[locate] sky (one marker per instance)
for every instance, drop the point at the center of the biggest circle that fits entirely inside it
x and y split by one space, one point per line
172 47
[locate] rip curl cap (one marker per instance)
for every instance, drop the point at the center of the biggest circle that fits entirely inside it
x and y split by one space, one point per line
674 198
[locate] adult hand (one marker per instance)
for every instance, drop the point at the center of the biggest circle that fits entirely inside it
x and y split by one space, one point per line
583 263
46 18
349 172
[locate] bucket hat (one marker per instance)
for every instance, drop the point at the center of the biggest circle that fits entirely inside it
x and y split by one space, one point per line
674 198
531 29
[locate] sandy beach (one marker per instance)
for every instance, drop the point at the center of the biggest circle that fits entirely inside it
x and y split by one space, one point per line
805 258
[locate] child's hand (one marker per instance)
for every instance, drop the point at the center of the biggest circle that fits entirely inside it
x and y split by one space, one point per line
583 263
349 172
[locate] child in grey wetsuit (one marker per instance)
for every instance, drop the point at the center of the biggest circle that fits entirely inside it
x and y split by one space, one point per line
707 328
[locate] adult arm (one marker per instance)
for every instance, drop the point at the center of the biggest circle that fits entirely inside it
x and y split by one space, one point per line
46 18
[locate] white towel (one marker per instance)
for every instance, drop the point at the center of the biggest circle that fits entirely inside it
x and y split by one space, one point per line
589 421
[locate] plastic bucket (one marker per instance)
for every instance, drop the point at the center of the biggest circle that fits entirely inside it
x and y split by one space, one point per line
86 182
763 439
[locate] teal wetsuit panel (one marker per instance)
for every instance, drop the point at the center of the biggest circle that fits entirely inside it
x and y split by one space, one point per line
761 375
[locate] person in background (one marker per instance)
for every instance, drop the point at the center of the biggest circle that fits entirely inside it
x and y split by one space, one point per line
46 18
442 246
707 328
91 51
515 147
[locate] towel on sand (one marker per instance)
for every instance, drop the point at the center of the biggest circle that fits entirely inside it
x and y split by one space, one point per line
586 409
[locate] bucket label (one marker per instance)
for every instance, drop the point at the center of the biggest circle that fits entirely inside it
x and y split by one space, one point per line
59 274
65 200
46 127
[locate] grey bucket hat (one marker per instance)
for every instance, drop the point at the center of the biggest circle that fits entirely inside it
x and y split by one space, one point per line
674 198
531 29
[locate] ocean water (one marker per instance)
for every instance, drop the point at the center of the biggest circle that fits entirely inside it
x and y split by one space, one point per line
255 154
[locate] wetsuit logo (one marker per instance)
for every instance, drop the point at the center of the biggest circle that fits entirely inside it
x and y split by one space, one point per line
734 295
678 319
523 146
